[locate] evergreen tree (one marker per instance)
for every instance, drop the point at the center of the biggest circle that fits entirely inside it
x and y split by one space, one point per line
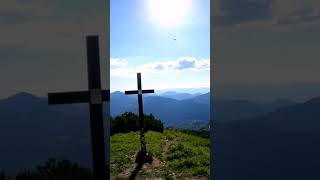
129 121
2 175
56 170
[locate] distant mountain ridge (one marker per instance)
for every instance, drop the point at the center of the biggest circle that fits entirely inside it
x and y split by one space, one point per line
178 96
300 118
229 110
193 110
31 130
299 92
283 144
171 111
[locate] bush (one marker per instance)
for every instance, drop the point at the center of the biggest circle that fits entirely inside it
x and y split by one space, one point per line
201 172
128 121
200 133
179 151
2 175
169 135
56 170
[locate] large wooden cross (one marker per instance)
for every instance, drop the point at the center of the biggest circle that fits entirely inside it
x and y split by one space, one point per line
94 96
141 120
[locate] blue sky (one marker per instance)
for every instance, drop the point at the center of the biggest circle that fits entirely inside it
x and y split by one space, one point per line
256 42
169 44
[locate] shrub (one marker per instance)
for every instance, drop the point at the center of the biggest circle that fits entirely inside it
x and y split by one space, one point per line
2 175
128 121
56 170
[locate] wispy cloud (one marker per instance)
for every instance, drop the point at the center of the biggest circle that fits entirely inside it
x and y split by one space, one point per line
118 63
121 68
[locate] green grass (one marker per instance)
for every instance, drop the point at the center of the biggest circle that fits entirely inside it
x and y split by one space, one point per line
188 155
124 148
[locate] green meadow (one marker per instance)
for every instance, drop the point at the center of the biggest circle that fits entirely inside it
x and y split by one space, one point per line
176 155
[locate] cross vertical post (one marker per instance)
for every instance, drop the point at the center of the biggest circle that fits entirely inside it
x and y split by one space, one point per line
96 113
140 103
141 119
95 97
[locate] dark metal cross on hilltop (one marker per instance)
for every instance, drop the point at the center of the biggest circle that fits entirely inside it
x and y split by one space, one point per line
95 96
141 120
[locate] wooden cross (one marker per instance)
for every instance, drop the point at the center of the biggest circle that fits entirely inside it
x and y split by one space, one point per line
141 120
94 96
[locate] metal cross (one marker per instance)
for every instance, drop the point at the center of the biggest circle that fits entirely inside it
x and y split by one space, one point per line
94 96
141 120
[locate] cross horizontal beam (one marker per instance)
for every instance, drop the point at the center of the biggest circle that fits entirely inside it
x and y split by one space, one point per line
75 97
137 91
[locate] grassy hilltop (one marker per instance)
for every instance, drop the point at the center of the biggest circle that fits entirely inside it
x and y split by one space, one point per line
176 155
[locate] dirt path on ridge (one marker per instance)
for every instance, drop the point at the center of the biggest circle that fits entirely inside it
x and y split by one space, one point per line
166 149
156 163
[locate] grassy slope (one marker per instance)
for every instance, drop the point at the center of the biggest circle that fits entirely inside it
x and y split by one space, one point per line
187 155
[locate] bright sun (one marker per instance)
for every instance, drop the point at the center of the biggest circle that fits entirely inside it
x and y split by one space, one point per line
168 13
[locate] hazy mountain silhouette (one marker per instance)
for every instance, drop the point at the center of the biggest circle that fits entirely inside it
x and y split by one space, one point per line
172 112
228 110
202 98
183 90
178 96
299 92
283 144
299 118
179 113
31 132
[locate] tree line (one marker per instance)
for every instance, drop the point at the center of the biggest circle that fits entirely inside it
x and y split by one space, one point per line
129 121
53 169
201 133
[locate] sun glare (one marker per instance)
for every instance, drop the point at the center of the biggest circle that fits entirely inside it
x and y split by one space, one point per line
168 13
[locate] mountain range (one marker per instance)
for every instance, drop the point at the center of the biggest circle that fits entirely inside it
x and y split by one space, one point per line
172 112
280 136
299 92
178 96
192 108
283 144
31 132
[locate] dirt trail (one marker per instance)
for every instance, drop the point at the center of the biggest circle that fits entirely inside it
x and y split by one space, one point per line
198 178
156 163
166 149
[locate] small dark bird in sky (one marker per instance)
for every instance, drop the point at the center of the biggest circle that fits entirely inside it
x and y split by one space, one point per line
174 39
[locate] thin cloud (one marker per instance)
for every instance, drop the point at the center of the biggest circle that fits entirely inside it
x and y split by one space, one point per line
118 63
181 64
120 67
185 63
